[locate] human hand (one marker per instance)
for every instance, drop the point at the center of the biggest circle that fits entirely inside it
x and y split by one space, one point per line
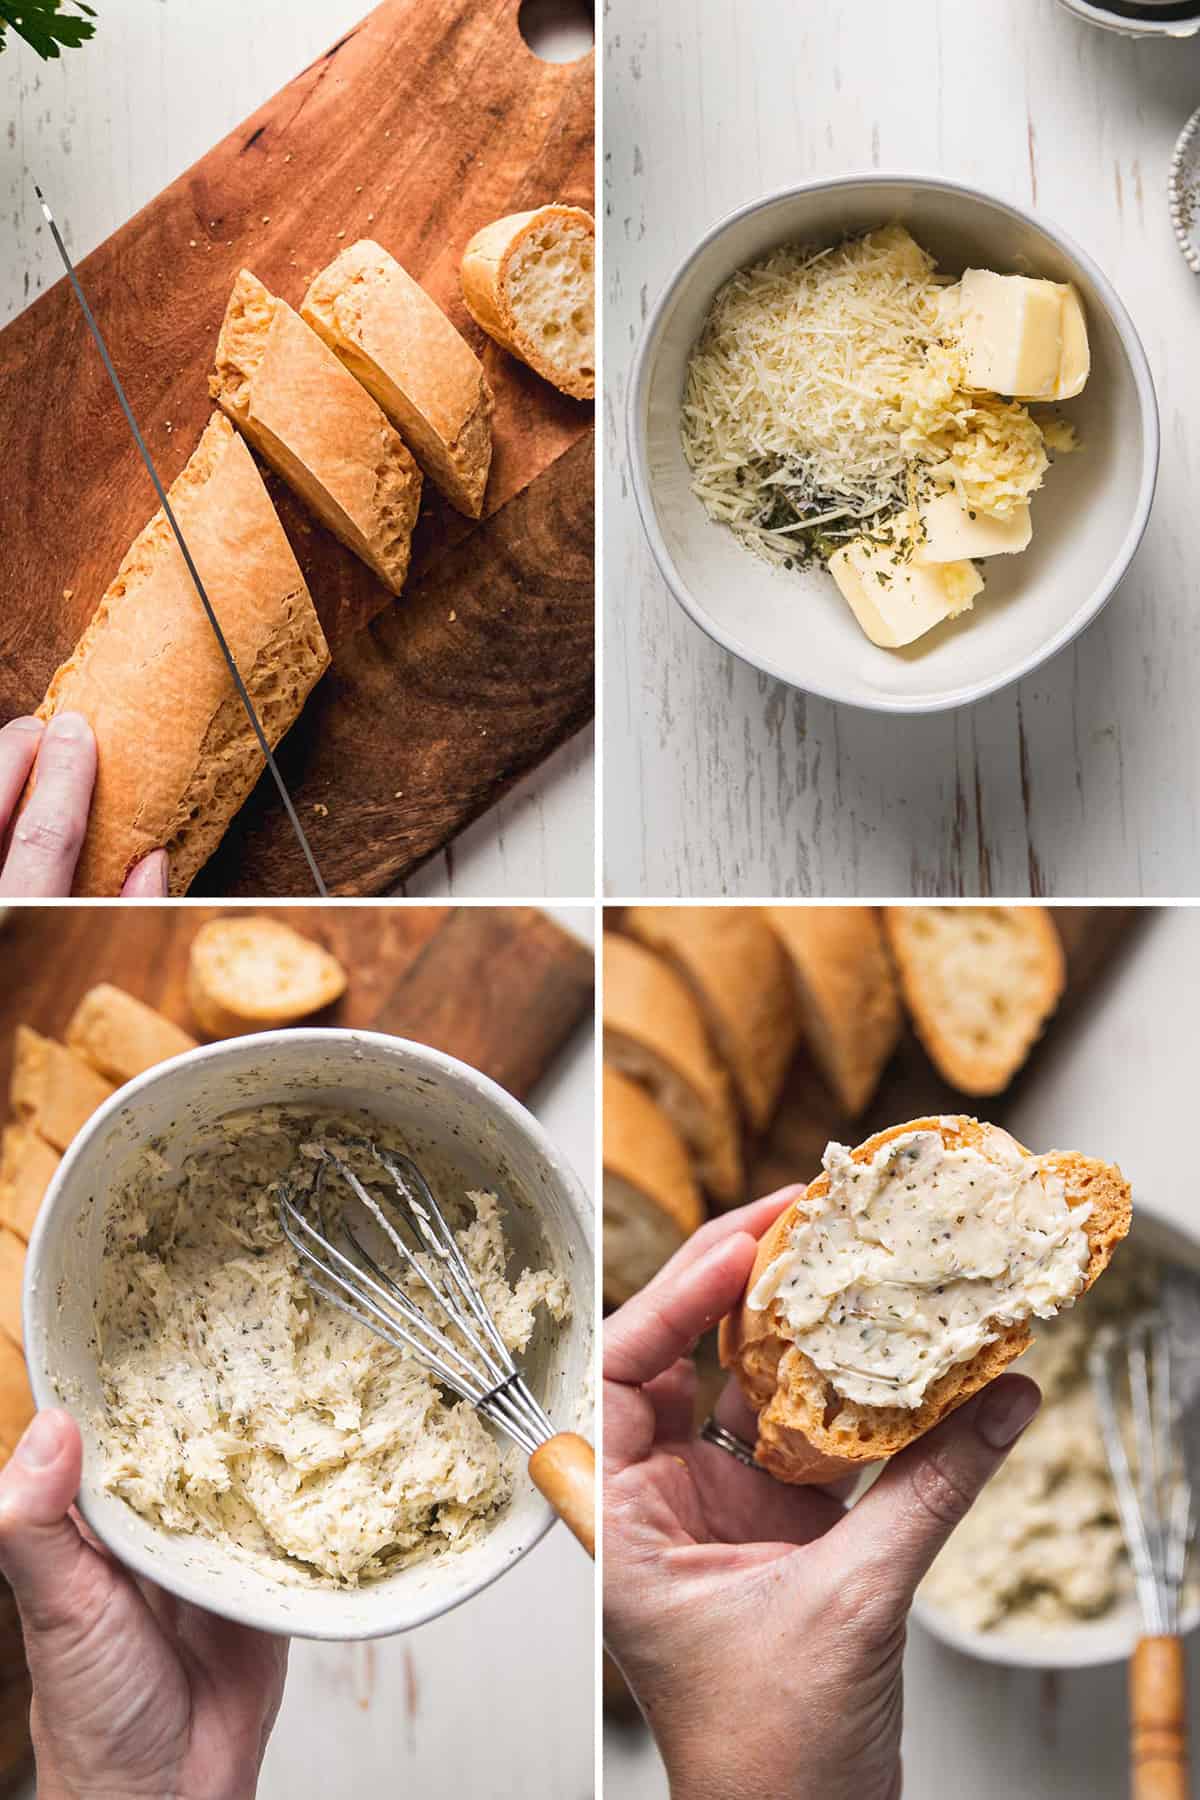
761 1627
44 843
134 1692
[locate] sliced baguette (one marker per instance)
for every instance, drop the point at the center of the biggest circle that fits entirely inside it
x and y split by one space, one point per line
12 1282
250 974
53 1091
288 394
736 968
16 1398
846 993
529 280
401 346
121 1036
980 983
651 1199
807 1432
177 755
653 1033
27 1167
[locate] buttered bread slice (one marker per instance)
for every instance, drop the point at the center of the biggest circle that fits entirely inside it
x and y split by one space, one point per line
905 1279
400 345
290 397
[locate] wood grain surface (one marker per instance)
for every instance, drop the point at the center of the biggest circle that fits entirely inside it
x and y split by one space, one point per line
500 987
423 122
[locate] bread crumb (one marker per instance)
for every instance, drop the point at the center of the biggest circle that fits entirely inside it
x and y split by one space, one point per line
341 234
452 618
359 188
266 218
370 216
68 593
288 157
321 811
399 794
191 243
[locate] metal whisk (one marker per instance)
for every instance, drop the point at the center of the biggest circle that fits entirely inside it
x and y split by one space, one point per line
1136 1378
450 1329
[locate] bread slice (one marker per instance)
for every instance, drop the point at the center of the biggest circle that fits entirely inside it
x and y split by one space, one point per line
12 1281
530 281
653 1033
16 1398
651 1200
288 394
807 1431
177 755
980 983
27 1167
121 1036
53 1091
400 345
846 993
249 974
738 972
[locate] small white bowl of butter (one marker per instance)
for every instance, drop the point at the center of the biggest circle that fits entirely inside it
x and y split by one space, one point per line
1087 520
466 1134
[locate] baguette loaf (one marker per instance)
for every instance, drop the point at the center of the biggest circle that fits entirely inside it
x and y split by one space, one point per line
53 1091
292 399
651 1201
529 280
16 1399
653 1033
738 972
980 983
12 1281
400 345
27 1166
249 974
846 992
177 755
808 1432
121 1036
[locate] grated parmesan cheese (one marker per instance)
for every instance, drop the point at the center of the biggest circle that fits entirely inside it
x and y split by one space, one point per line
824 387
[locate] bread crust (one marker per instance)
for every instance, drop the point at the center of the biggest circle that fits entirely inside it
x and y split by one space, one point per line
846 992
27 1167
53 1091
121 1036
736 968
176 753
288 394
807 1433
651 1023
396 340
643 1150
484 276
220 976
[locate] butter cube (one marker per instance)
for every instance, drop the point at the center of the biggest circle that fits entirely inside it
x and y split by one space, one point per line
948 531
1022 336
896 600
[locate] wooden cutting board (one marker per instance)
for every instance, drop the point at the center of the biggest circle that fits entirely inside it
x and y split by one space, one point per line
428 120
502 987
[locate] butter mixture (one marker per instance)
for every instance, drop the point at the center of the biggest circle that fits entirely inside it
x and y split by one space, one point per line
916 1259
240 1407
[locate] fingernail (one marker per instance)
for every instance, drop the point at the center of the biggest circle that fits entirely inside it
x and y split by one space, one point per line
70 726
28 723
39 1446
1005 1411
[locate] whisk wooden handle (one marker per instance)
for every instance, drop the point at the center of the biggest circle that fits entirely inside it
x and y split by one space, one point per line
564 1470
1158 1720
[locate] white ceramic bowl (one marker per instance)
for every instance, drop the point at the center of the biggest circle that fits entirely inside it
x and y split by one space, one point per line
1090 1642
1087 521
466 1133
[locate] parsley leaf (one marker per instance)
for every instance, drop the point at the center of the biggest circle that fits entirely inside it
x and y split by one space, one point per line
44 25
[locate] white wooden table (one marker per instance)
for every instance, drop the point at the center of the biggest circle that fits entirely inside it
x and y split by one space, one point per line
104 129
1117 1080
1084 779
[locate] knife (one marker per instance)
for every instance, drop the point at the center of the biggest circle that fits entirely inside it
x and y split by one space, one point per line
226 652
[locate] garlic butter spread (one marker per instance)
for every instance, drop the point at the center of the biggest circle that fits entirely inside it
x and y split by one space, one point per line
916 1259
240 1407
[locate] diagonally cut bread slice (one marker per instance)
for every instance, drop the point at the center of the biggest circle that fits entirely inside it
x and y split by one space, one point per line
980 983
651 1200
52 1091
737 970
27 1167
846 992
400 345
122 1036
529 280
809 1433
653 1033
252 974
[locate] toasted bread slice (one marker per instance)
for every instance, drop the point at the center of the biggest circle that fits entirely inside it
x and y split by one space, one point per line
53 1091
653 1033
651 1199
27 1166
250 974
809 1433
980 983
121 1036
529 280
846 992
737 970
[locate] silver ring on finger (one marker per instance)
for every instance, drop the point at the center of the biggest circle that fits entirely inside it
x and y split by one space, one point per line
734 1446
